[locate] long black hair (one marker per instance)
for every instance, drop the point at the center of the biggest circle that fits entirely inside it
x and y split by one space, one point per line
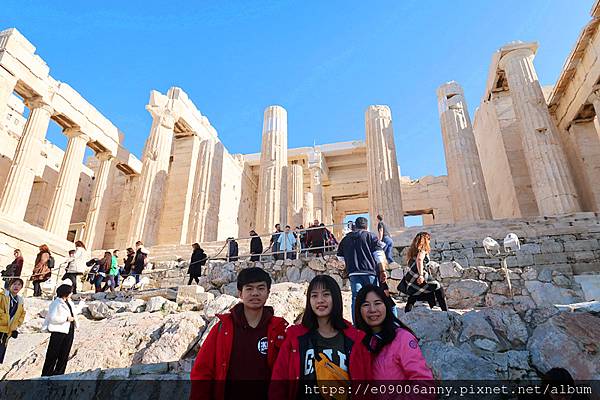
309 319
389 325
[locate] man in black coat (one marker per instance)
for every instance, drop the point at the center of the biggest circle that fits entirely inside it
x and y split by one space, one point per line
256 246
197 261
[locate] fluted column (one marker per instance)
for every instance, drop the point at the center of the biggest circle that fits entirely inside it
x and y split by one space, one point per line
17 189
63 201
316 188
272 196
7 86
308 209
382 167
205 205
551 180
98 197
465 177
153 179
296 194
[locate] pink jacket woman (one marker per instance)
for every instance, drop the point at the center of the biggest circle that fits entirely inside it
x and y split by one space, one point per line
401 360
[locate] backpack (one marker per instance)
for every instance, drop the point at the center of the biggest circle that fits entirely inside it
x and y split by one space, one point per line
50 262
329 374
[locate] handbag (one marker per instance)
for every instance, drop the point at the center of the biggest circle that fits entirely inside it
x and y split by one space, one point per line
41 272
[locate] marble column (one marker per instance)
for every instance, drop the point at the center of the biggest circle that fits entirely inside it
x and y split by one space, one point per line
308 209
272 183
465 177
296 195
207 190
63 200
382 167
153 179
92 225
316 188
17 188
551 179
7 86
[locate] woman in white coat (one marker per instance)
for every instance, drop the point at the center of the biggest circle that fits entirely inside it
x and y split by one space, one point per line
61 322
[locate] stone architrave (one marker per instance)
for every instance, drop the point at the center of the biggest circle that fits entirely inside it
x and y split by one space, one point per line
465 177
308 209
296 194
550 176
382 167
17 189
7 86
153 179
272 196
207 185
63 201
92 223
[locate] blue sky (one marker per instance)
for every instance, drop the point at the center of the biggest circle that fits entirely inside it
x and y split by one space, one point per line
325 62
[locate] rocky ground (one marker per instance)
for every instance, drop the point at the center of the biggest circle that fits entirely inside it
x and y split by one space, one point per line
118 331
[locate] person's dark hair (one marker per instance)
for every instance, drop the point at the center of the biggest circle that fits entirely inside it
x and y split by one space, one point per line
361 223
13 280
79 243
253 233
115 252
71 252
277 225
196 246
557 376
287 226
63 291
380 217
390 323
139 242
253 275
309 319
130 250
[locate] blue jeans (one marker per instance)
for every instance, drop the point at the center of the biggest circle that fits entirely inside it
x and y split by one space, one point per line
389 248
357 282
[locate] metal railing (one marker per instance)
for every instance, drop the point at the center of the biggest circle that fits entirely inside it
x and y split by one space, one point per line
284 248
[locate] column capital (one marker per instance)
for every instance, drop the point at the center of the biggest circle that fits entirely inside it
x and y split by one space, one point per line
104 156
595 94
519 53
165 116
75 132
38 102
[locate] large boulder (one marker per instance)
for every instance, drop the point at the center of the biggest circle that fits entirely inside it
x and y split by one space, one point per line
568 340
450 269
466 293
453 363
429 325
545 294
155 304
177 335
221 274
317 264
220 305
288 300
100 310
494 329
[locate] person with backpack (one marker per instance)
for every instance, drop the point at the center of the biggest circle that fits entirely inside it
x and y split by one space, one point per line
140 260
103 269
60 321
360 250
323 349
44 262
12 314
196 262
238 354
397 356
13 270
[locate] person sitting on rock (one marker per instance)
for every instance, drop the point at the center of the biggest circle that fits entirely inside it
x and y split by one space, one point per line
418 283
395 348
238 355
324 348
12 313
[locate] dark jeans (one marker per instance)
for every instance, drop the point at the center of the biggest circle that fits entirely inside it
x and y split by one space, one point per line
389 248
357 282
194 278
255 257
37 289
3 342
98 283
110 283
57 354
430 298
73 278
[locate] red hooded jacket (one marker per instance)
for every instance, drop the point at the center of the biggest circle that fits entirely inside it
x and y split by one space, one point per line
209 372
286 372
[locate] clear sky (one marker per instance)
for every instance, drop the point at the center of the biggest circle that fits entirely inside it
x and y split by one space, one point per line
324 61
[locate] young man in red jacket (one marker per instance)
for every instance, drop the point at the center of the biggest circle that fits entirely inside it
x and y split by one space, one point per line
238 354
